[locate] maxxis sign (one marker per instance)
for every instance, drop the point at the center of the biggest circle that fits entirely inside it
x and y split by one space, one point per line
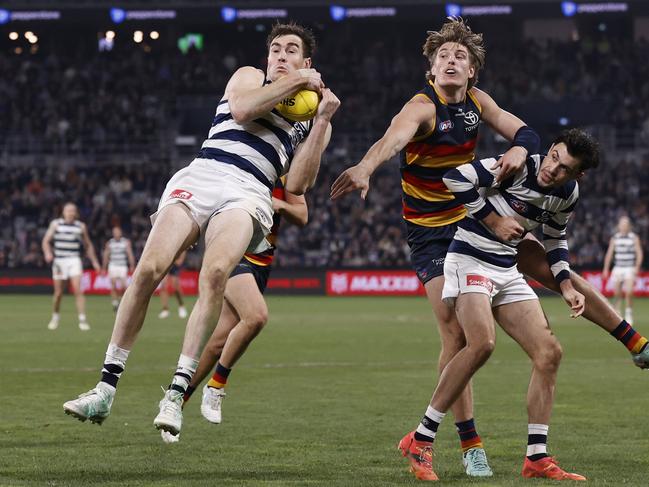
373 283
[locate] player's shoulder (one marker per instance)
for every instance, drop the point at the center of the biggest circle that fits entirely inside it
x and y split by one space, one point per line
250 72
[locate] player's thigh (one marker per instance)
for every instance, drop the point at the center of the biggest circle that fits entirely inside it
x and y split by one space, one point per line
227 237
532 261
175 283
75 284
174 230
244 295
474 315
525 322
446 318
629 284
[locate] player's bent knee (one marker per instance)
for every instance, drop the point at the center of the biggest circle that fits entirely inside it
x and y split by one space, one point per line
212 279
147 272
549 357
482 351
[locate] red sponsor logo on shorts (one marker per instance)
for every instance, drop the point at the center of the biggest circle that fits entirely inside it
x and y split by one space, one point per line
181 194
476 280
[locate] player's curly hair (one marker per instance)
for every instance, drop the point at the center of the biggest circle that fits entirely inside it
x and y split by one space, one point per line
304 33
455 30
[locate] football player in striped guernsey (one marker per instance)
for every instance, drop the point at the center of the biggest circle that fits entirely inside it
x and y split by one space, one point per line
482 283
61 245
625 251
118 262
436 131
244 311
225 196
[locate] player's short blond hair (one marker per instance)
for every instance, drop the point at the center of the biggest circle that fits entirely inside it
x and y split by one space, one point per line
455 30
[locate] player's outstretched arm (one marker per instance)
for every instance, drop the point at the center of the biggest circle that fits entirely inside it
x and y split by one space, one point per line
294 208
104 257
524 140
414 117
306 161
249 98
46 244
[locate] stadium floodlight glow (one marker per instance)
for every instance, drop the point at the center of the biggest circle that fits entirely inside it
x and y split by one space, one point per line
138 36
110 35
118 15
33 39
5 16
453 10
563 121
337 13
154 34
569 8
13 36
28 34
228 14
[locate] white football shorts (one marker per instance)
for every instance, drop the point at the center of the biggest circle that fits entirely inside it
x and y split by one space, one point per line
208 187
63 268
466 274
116 271
622 274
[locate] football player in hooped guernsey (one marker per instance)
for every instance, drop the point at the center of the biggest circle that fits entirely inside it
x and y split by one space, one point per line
225 195
436 131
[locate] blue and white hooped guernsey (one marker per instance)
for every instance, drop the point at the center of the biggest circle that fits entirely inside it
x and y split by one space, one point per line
263 147
520 197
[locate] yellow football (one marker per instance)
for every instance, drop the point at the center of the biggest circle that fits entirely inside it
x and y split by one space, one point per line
299 107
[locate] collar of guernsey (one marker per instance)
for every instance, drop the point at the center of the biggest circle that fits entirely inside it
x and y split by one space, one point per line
449 143
266 257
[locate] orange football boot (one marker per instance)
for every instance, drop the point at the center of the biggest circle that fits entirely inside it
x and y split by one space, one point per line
548 468
420 456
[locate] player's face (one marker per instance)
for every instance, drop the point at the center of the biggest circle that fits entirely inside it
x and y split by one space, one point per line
624 225
558 167
285 56
452 66
69 213
117 233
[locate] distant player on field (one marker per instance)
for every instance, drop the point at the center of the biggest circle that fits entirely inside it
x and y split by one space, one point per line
68 235
173 278
625 249
118 261
225 195
437 130
244 312
482 282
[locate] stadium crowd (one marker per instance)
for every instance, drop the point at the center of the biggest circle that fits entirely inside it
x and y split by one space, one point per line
88 101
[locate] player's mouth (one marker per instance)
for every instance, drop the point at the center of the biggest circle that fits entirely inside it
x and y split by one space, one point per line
450 71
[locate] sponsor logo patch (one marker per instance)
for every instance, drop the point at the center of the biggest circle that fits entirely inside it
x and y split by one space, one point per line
180 194
519 206
477 280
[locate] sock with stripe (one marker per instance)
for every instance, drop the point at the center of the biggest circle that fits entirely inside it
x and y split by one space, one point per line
427 428
537 441
184 373
469 437
631 339
188 393
114 364
220 377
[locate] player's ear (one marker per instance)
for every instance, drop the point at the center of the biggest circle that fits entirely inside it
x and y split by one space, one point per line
307 62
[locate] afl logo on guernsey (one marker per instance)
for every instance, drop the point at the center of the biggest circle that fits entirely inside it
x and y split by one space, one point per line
445 126
519 206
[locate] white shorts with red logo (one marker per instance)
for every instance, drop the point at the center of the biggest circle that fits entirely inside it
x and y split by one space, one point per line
209 187
466 274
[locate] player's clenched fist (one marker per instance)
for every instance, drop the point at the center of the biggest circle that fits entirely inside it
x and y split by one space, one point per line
328 105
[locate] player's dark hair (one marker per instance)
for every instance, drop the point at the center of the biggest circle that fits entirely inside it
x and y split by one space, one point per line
304 33
455 30
581 145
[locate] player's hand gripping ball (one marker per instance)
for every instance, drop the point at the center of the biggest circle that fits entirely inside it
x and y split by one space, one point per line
300 106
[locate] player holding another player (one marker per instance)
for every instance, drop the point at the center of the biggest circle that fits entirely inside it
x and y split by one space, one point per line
118 261
224 194
244 312
437 130
68 235
626 251
173 278
483 283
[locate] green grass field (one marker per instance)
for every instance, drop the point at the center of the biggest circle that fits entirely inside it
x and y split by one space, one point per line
321 398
